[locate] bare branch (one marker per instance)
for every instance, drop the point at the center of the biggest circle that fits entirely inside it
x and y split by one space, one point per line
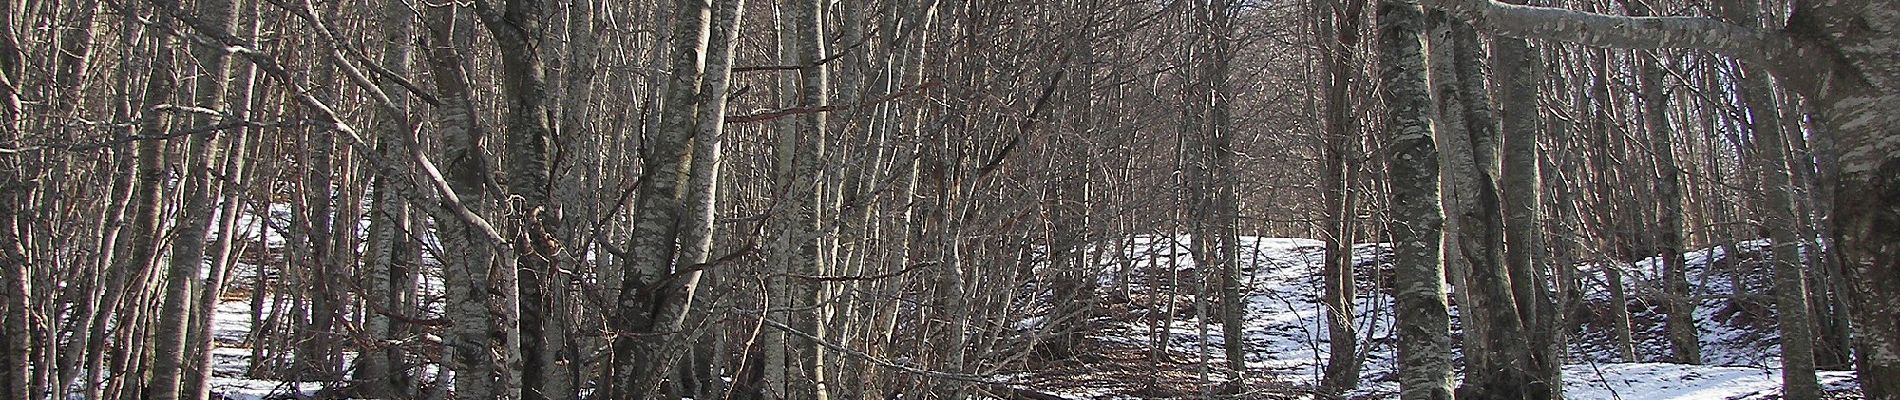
1618 31
840 54
136 138
843 278
786 112
444 196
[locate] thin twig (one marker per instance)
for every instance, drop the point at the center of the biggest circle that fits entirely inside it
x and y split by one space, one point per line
113 142
785 112
841 278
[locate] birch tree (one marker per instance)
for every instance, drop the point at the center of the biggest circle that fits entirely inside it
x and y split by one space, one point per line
189 250
1497 362
1412 161
1832 53
15 268
519 29
1340 34
657 288
159 88
389 279
471 348
1520 74
1768 160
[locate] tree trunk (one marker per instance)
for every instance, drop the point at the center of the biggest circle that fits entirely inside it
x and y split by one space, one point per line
655 289
1790 275
1769 161
1520 72
200 205
159 88
1668 246
1457 191
15 194
519 30
471 349
318 224
1499 367
382 369
580 192
1830 55
1600 163
1423 319
188 252
1067 198
1341 41
1225 182
14 267
702 197
812 208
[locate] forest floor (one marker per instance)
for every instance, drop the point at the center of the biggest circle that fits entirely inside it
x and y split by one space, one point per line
1287 338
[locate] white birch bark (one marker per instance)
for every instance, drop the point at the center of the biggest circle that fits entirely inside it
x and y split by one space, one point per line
1837 56
1423 317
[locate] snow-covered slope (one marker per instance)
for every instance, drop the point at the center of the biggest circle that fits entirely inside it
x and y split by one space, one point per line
1287 339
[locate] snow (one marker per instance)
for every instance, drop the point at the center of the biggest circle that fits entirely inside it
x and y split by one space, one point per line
1287 336
1285 329
232 323
1663 381
259 389
1288 339
270 226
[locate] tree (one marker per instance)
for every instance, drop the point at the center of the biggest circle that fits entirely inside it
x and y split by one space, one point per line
930 214
160 85
1412 163
13 260
702 197
188 260
1834 54
15 267
1768 159
657 289
1498 363
795 367
520 29
1520 73
814 206
1339 34
188 252
473 250
389 280
1679 302
1209 184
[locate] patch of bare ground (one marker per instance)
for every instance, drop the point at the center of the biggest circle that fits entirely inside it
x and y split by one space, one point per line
1130 370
